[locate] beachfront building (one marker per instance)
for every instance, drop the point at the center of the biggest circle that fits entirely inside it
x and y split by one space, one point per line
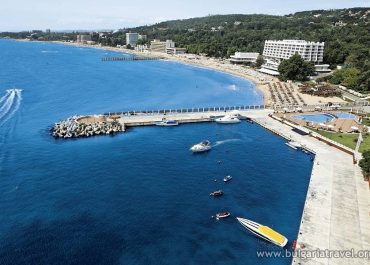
131 39
167 46
83 38
158 46
244 57
277 50
175 50
141 48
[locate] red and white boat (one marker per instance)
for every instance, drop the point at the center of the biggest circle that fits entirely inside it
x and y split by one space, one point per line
221 215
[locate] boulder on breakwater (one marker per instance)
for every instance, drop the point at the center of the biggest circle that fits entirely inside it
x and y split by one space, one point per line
86 126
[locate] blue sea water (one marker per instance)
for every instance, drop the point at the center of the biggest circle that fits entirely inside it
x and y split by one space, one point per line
140 197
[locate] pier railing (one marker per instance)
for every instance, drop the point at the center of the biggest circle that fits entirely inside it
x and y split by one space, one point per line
131 58
187 110
323 106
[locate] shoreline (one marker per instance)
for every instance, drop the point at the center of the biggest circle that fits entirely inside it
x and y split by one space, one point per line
261 81
201 62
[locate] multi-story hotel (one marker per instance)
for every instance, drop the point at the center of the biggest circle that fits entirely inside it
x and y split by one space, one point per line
131 39
277 50
167 46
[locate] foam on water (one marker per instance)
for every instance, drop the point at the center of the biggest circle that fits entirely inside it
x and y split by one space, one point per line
226 141
10 104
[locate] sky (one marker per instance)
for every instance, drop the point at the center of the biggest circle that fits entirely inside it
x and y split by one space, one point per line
16 15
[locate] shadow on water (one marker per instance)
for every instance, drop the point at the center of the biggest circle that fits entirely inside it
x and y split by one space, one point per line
81 240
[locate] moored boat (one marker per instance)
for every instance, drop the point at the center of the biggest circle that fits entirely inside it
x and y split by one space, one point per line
217 193
167 123
228 119
201 147
263 232
294 145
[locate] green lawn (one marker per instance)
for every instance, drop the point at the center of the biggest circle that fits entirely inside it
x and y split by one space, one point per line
366 121
348 139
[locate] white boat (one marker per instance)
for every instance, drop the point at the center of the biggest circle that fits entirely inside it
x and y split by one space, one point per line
167 123
228 120
294 145
263 232
201 147
227 178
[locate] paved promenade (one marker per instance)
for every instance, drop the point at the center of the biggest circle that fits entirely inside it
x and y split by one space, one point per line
336 212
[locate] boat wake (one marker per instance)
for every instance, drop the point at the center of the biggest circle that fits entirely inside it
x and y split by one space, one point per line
226 141
9 104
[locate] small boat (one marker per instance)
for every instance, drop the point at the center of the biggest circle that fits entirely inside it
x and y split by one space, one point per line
201 147
221 215
217 193
167 123
263 232
294 145
228 178
228 120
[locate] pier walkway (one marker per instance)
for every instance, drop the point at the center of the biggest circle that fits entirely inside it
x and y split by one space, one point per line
131 58
191 117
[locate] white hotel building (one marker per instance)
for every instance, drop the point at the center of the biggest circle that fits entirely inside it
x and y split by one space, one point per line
277 50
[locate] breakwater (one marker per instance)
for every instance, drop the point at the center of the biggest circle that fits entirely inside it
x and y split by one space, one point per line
86 126
110 123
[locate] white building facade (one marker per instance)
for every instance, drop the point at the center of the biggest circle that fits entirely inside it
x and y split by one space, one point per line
244 57
131 39
277 50
167 46
83 38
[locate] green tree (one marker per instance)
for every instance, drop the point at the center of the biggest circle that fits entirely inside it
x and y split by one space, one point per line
295 68
365 163
348 77
260 61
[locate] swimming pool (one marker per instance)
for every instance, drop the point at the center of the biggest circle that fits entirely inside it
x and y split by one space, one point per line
345 115
318 118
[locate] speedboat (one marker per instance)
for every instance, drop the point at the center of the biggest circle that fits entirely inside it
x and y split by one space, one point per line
228 120
201 147
217 193
263 232
221 215
227 178
167 123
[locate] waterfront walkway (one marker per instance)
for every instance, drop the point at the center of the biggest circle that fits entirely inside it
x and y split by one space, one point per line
336 212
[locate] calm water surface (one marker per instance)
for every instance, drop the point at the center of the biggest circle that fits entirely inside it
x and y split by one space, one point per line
139 197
